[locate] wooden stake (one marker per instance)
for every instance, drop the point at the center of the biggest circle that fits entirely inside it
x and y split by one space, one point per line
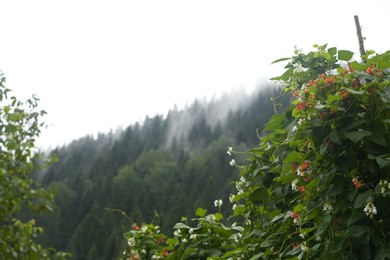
360 38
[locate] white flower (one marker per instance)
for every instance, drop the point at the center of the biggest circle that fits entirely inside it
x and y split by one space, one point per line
232 162
191 231
301 121
184 240
143 251
234 206
230 150
370 210
295 128
304 248
193 236
144 229
177 233
218 203
302 235
328 207
298 67
236 237
210 217
131 241
384 186
231 198
294 186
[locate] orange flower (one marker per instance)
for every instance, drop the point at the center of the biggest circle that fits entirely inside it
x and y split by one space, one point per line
357 183
302 189
135 227
369 71
305 165
329 80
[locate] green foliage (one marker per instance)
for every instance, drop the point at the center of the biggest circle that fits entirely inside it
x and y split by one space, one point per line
317 187
19 126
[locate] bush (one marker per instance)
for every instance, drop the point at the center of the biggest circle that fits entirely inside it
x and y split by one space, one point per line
318 185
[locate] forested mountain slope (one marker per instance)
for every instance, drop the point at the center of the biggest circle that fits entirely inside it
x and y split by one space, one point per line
178 163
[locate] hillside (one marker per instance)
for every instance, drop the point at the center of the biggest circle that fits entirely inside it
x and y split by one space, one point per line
177 162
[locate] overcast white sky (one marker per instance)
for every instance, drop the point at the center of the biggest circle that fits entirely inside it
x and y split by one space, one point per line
97 65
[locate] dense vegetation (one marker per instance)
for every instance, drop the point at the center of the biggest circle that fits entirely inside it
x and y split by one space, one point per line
170 165
317 186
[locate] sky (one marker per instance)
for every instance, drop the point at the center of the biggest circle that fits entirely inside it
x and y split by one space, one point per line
99 65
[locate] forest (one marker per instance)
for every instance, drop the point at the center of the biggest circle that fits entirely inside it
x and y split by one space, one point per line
166 165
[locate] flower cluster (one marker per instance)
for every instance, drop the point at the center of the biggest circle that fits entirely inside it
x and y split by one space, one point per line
145 242
384 185
328 207
241 185
304 176
218 203
370 210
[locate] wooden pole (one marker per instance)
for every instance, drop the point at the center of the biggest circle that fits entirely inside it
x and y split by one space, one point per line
360 38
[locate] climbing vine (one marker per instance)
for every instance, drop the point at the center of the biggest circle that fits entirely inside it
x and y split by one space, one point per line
318 185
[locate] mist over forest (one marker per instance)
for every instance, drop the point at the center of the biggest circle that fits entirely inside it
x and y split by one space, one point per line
170 165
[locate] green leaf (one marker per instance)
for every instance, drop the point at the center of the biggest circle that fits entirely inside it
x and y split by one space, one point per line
356 136
286 75
383 160
181 225
276 218
357 214
362 199
355 92
218 216
280 60
295 157
332 51
345 55
259 195
276 122
200 212
332 98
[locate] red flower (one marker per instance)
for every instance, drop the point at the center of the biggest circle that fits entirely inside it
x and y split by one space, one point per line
369 71
294 215
164 253
329 80
305 166
302 189
135 227
350 68
310 83
300 106
357 183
